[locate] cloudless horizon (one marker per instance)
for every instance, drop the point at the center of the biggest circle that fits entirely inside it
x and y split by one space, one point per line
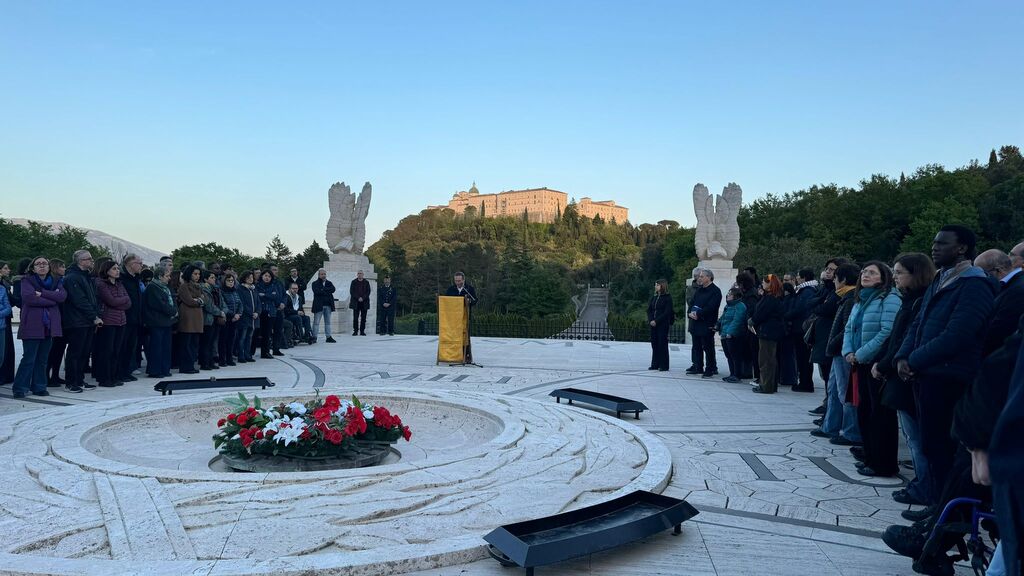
186 122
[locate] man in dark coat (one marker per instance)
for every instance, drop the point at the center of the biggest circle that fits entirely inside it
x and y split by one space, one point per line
131 279
461 288
323 305
1005 463
359 302
80 319
942 349
387 303
825 307
703 315
800 311
1009 304
293 277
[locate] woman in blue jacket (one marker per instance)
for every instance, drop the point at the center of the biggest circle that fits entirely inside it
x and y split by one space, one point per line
732 327
271 296
250 316
864 341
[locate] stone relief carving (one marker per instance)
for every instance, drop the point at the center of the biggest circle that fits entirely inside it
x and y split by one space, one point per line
718 234
346 228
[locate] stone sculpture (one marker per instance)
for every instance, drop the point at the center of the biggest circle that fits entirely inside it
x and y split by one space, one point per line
346 228
718 234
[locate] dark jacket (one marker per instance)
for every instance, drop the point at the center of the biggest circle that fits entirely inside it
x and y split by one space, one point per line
468 292
302 287
660 310
271 296
801 308
974 420
387 295
824 312
114 302
190 308
250 300
1006 451
948 333
834 347
898 394
1009 306
323 295
706 302
159 310
213 303
40 315
289 308
133 286
232 301
767 319
81 307
359 290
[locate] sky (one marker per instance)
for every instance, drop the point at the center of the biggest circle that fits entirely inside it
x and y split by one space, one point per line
172 123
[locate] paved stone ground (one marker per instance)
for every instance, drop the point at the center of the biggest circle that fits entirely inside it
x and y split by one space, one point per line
772 498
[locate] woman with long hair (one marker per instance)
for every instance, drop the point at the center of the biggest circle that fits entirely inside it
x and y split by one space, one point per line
213 320
660 316
912 274
41 296
869 327
768 325
114 301
190 319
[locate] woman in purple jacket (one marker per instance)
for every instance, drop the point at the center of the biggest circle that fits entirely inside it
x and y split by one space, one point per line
40 323
114 300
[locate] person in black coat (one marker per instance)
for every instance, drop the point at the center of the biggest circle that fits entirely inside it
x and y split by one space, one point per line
912 274
131 279
7 366
293 277
462 288
799 314
1009 303
1003 465
769 325
323 305
660 316
748 366
359 302
826 304
703 315
387 303
81 318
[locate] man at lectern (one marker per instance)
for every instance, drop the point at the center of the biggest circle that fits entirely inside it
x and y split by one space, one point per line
460 288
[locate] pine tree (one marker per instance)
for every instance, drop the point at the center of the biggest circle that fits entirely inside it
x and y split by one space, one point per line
279 253
992 159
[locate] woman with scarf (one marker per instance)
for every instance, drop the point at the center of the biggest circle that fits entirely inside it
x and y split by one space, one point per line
864 341
839 424
213 320
190 319
159 314
912 274
114 303
41 297
247 323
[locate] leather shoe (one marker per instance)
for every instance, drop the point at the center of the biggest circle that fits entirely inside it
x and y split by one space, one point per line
43 393
819 434
691 370
917 515
818 421
819 411
905 540
331 340
840 441
652 367
759 390
904 497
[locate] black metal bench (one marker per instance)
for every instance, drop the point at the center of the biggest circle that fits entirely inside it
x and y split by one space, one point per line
615 403
587 530
169 386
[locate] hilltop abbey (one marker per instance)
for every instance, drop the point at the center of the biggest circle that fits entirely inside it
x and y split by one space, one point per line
539 204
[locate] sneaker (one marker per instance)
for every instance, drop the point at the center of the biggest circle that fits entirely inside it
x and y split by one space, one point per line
820 434
708 374
75 389
88 386
330 340
904 497
278 353
819 411
840 441
731 380
818 421
905 540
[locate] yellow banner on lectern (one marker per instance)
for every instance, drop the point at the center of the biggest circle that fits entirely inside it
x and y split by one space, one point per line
452 328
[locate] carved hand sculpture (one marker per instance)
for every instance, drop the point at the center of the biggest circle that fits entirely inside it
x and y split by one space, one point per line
717 234
346 228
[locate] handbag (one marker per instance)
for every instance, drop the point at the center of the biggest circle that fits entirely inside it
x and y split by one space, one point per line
853 390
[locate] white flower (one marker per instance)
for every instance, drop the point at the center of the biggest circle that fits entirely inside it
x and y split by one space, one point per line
297 407
290 433
368 413
343 408
271 414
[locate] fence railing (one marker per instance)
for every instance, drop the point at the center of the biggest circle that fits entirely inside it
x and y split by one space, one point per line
558 329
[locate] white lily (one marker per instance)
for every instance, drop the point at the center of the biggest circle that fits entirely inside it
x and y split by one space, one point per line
298 408
368 413
290 433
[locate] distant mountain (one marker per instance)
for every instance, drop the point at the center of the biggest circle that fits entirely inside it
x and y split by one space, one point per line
117 246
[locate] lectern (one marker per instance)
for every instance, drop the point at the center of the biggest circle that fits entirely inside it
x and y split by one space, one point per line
452 329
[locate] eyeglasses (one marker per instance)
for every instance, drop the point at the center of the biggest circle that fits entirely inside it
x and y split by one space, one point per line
38 264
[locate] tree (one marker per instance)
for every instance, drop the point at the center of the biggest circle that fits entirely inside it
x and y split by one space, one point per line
35 239
279 253
936 215
211 252
311 260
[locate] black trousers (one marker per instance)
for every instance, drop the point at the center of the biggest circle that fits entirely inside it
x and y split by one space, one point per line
107 351
936 397
752 366
189 342
735 350
804 368
359 319
266 325
659 347
702 353
878 424
79 348
226 343
208 345
127 363
7 367
387 320
56 358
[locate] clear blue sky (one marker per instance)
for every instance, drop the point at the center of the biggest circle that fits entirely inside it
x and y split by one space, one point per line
177 122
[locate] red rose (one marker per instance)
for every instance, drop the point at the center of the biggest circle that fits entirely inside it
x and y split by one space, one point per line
406 433
332 402
231 417
334 436
242 420
270 434
259 434
322 414
356 422
246 441
305 434
221 422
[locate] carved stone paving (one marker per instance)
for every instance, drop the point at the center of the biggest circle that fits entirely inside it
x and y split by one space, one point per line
125 487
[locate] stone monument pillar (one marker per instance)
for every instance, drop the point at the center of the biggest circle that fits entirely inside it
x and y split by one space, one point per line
346 235
718 234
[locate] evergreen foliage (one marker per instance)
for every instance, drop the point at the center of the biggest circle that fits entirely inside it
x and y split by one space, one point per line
35 239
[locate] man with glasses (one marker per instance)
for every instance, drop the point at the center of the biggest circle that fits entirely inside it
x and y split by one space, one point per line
1009 304
81 318
131 279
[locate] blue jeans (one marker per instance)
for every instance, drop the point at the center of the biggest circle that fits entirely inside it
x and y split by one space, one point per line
921 486
840 417
324 313
998 565
243 342
32 370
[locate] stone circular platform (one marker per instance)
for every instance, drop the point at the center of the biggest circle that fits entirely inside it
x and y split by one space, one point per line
125 487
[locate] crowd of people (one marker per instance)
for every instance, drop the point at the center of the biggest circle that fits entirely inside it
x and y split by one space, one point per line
928 346
103 317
